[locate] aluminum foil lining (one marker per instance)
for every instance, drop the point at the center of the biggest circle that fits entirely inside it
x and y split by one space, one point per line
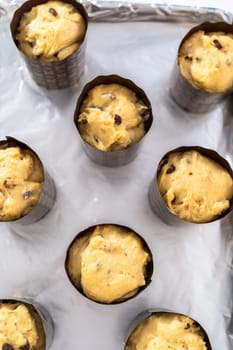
124 11
96 194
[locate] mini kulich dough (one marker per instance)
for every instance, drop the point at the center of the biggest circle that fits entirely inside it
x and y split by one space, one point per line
206 61
21 180
18 328
51 31
112 118
163 331
109 264
195 187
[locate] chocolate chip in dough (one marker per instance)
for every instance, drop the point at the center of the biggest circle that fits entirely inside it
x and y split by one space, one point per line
7 346
188 58
187 326
53 12
107 248
98 266
28 194
144 113
25 347
117 119
31 44
96 139
173 201
195 325
7 184
217 44
83 121
171 169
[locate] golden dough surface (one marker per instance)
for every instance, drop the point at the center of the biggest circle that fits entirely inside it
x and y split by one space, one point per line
112 118
111 264
52 31
17 327
163 331
206 61
195 187
21 180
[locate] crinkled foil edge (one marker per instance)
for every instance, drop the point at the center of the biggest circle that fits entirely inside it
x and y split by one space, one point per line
123 11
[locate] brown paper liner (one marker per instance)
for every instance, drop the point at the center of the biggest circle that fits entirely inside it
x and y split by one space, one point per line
84 235
159 205
124 156
146 314
58 74
185 95
48 193
43 320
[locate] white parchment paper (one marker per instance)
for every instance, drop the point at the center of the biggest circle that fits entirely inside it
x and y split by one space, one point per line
192 272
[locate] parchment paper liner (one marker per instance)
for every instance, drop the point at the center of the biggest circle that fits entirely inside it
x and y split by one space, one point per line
146 314
48 193
157 202
124 156
149 268
43 320
188 97
58 74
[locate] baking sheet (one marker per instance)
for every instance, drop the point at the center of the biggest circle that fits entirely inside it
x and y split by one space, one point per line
193 268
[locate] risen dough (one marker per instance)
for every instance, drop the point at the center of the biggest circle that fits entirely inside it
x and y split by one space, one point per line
112 118
163 331
206 61
51 31
194 187
108 264
21 180
17 327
